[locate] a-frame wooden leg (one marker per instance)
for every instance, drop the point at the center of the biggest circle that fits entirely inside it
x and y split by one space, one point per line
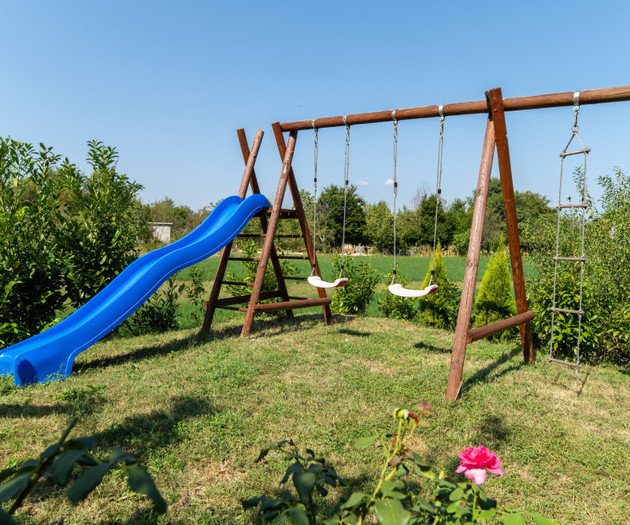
505 169
271 231
472 266
297 201
264 224
249 177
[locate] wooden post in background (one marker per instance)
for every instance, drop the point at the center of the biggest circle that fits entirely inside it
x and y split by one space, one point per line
495 99
472 266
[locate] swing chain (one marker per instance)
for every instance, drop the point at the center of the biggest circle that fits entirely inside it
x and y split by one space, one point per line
395 148
438 189
315 155
346 171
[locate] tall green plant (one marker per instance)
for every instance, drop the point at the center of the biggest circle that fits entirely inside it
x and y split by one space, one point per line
101 222
33 257
495 301
439 310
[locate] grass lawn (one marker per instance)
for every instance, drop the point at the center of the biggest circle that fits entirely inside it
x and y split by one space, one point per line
198 409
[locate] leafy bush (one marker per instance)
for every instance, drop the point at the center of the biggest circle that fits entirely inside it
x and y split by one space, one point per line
355 296
157 314
606 287
101 222
64 235
495 301
395 306
439 310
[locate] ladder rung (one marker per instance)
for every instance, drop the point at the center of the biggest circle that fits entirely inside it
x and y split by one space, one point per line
567 311
234 308
290 305
293 298
286 277
581 259
237 283
285 213
247 259
582 205
577 152
565 363
296 257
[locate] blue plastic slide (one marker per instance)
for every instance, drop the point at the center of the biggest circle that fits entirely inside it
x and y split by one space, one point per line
50 354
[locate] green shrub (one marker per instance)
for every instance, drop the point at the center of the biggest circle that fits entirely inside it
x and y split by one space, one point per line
33 258
64 235
495 301
395 306
439 310
354 297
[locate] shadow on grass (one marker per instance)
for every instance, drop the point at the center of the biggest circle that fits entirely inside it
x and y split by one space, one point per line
492 370
354 333
143 434
432 348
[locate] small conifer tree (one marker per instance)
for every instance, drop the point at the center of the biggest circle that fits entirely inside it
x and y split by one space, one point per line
439 310
495 301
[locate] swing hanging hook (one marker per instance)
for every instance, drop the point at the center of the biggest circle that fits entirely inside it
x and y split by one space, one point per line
576 110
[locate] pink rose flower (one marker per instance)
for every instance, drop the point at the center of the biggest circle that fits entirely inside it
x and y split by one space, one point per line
475 461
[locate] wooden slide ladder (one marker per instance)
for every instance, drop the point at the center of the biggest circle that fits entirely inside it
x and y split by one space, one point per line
269 220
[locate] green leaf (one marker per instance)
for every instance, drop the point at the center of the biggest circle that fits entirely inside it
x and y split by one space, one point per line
357 499
389 488
262 455
457 494
5 518
487 514
291 469
304 483
11 488
297 515
62 466
252 502
513 519
141 482
365 442
541 520
86 482
391 512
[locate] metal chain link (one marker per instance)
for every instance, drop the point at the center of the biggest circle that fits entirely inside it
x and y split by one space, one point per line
395 148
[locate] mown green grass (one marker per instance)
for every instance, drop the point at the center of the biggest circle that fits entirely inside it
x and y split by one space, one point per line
198 408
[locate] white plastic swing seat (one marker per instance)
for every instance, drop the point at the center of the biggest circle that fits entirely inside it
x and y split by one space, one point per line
317 281
400 291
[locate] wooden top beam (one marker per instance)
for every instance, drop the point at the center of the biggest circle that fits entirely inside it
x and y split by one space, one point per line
591 96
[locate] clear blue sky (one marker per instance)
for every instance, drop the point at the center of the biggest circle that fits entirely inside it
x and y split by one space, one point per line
168 83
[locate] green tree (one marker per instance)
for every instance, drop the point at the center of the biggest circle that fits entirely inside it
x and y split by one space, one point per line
439 310
495 301
379 226
330 215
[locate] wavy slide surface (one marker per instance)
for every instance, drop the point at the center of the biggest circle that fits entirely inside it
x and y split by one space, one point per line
50 354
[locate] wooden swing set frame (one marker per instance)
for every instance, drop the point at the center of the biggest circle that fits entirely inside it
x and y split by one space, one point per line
495 137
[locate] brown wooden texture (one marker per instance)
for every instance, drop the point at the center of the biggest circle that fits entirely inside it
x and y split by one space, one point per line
472 265
299 209
250 159
484 331
505 170
271 230
264 222
591 96
289 305
249 176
